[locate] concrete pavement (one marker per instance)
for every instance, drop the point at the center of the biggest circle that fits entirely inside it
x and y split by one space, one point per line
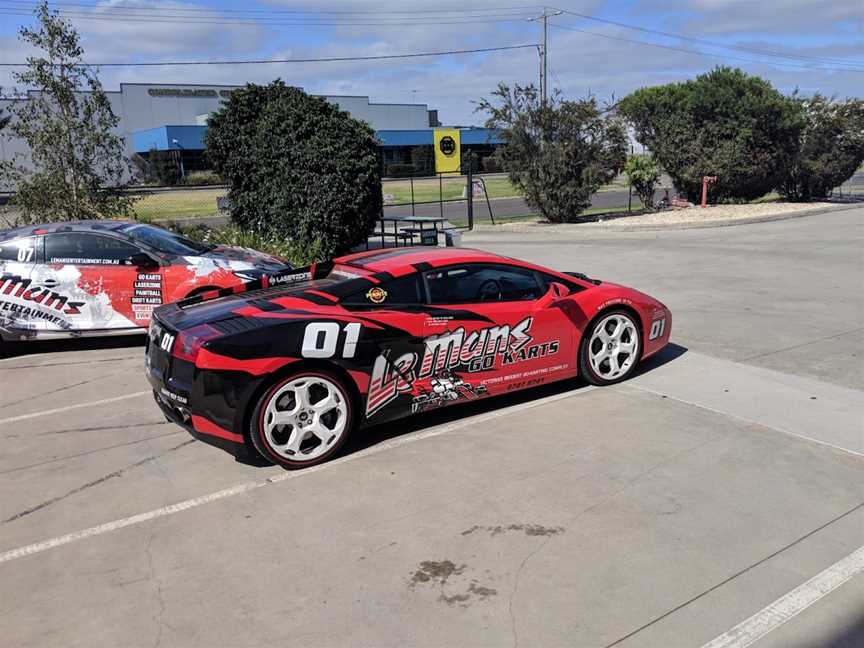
660 512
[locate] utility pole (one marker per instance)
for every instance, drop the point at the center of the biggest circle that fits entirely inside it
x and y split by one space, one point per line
544 54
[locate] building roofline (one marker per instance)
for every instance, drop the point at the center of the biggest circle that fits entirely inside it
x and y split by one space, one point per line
28 91
185 85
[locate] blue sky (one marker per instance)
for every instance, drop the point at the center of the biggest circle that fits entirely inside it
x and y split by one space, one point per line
801 44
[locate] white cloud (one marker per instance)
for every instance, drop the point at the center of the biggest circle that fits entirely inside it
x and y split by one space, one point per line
579 63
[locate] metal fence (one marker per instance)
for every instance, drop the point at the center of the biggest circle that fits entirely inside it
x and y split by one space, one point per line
461 199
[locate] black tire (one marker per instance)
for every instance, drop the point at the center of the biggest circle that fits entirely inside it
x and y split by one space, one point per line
257 423
586 370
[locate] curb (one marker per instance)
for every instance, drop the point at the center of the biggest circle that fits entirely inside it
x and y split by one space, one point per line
728 223
597 227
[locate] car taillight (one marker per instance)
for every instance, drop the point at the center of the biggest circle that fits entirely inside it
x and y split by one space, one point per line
189 342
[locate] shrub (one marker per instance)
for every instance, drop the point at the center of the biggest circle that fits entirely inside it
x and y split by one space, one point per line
490 164
556 155
163 168
724 123
202 179
643 174
297 167
297 255
831 148
400 170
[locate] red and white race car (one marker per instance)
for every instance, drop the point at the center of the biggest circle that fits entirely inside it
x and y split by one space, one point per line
106 277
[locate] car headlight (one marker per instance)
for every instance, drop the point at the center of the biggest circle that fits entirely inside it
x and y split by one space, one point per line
252 274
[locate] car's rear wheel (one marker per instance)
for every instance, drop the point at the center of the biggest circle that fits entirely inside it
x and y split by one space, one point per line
303 419
610 348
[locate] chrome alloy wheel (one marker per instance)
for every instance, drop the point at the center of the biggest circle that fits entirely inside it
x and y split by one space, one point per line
305 418
614 346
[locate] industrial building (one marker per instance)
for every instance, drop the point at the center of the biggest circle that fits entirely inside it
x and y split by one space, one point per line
173 117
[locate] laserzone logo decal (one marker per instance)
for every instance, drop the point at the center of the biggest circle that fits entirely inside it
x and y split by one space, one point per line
444 354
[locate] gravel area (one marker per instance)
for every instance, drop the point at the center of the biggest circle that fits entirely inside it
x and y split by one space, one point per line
719 214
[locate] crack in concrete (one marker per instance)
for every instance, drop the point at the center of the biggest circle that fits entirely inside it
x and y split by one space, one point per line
112 475
799 346
89 452
95 428
68 364
158 618
513 625
628 484
59 389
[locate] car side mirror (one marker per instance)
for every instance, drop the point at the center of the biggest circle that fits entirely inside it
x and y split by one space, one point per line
554 292
142 260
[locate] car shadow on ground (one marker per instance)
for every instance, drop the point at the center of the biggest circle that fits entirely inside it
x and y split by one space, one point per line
380 433
39 347
851 635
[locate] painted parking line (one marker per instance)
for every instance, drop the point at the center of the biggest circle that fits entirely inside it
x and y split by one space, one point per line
58 410
239 489
791 604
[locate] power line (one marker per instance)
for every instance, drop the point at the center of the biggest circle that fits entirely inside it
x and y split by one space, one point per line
703 41
707 54
332 59
161 13
215 20
145 6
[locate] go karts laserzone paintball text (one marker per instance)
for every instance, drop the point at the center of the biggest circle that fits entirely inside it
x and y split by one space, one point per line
106 277
303 358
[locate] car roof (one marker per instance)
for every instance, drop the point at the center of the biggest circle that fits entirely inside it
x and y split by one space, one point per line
66 226
394 260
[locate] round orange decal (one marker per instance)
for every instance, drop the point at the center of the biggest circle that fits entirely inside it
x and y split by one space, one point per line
376 295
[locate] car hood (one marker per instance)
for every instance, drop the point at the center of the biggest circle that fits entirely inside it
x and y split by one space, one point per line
241 258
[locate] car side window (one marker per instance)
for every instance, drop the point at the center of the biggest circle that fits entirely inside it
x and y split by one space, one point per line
404 290
480 283
22 250
84 248
546 279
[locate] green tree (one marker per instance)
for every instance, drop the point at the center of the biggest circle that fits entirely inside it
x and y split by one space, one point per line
77 165
296 166
724 123
556 155
643 173
831 148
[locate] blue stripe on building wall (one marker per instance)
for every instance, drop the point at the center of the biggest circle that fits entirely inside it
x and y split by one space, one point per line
191 138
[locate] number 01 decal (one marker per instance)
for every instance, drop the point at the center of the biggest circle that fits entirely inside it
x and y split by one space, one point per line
657 328
321 339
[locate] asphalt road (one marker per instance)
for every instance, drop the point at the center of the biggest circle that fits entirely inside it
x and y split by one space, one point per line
503 207
663 512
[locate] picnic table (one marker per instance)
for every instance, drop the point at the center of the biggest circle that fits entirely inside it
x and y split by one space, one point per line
404 228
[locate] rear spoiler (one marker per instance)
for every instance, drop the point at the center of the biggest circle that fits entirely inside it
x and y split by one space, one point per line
283 277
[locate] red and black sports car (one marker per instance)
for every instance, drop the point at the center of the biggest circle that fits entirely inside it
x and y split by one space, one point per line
290 368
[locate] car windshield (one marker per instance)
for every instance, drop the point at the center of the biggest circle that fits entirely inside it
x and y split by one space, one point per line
165 241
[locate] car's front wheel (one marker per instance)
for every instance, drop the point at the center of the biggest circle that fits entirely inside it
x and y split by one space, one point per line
303 419
610 348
